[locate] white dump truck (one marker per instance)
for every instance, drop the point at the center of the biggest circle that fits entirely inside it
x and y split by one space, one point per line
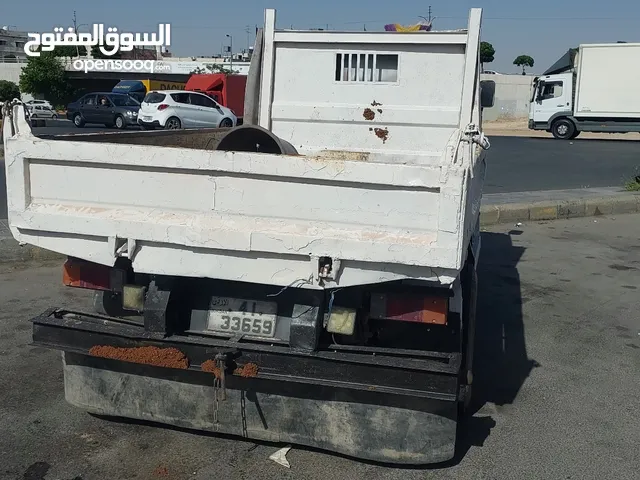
595 90
308 277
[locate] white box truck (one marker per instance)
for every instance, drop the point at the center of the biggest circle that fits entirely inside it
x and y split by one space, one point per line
310 279
599 94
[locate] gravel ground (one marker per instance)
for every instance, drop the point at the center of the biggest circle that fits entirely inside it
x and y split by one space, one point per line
556 397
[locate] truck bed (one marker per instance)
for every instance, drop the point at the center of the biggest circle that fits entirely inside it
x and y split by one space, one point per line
386 183
239 216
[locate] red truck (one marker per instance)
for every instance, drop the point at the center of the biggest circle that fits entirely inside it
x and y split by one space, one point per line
227 90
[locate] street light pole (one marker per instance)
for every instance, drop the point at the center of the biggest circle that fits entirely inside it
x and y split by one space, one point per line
230 53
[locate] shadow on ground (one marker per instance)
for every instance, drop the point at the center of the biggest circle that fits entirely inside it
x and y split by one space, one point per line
501 363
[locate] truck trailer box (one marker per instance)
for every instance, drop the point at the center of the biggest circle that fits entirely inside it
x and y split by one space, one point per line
608 81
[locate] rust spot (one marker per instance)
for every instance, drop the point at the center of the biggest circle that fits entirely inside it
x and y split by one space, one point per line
382 134
368 114
210 367
250 370
379 110
161 472
375 104
158 357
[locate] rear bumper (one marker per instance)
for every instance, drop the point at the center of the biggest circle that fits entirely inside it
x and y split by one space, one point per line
155 124
380 408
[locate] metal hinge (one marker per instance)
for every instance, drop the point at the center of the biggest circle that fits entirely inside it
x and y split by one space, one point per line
477 137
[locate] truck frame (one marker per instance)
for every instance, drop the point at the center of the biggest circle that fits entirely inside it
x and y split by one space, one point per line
310 280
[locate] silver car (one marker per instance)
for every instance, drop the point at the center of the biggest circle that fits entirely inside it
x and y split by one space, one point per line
41 111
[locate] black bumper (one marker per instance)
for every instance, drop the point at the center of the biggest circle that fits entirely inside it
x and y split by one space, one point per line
154 124
389 408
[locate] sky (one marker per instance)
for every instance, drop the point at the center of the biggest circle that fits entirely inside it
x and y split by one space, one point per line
543 29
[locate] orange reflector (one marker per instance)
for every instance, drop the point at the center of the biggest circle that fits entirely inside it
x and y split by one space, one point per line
417 308
82 274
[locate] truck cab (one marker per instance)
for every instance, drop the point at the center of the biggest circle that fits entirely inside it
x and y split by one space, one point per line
551 102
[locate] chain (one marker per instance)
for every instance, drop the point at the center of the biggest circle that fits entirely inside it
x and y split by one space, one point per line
243 413
216 386
219 386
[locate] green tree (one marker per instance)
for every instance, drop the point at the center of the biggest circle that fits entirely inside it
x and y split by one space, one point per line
97 53
487 53
213 68
69 51
45 75
8 91
524 61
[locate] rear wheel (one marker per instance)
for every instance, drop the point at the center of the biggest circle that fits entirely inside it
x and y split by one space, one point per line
576 134
54 116
78 121
563 129
226 123
173 123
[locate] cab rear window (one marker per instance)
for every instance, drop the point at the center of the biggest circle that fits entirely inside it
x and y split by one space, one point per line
154 97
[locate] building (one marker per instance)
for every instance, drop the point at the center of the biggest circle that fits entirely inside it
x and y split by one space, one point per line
12 46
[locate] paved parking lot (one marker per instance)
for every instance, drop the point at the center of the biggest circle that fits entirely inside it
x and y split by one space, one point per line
557 389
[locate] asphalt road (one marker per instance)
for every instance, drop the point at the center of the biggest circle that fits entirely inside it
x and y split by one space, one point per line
556 378
514 164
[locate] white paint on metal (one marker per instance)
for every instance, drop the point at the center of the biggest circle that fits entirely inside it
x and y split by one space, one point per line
267 68
608 76
390 197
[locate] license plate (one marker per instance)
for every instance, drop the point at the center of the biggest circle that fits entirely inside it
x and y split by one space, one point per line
146 119
246 317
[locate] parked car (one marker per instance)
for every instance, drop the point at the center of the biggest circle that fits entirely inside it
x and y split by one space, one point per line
41 111
173 109
42 103
110 109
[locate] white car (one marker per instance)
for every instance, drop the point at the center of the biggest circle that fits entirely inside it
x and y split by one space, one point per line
41 111
173 109
41 103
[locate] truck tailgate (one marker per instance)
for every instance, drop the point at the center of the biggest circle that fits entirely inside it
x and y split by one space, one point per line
233 215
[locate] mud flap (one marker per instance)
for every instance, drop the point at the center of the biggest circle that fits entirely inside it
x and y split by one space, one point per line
364 424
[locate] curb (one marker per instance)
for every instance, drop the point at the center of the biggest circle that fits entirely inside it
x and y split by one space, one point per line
559 210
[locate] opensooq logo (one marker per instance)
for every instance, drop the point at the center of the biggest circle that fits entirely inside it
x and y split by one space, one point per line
110 43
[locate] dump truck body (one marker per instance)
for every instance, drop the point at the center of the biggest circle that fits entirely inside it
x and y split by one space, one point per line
307 279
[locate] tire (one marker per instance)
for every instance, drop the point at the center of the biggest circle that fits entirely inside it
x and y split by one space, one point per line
34 116
576 134
78 121
226 123
173 123
54 117
120 123
563 129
